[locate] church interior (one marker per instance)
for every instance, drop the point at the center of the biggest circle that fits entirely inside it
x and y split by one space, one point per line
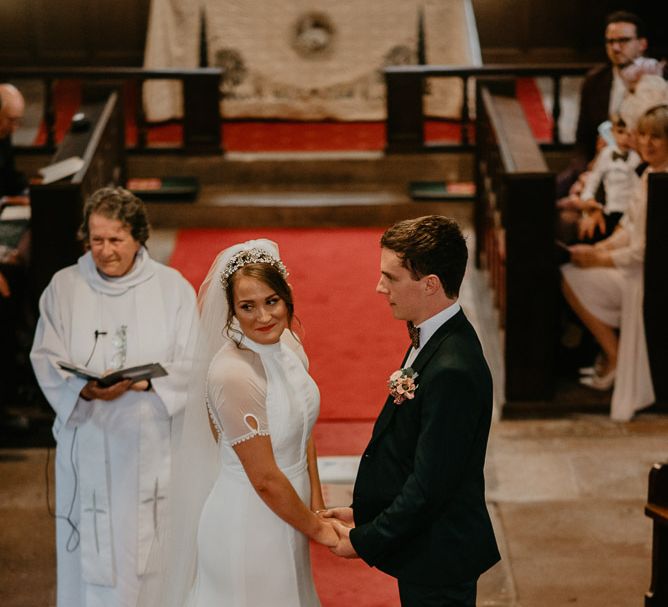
319 124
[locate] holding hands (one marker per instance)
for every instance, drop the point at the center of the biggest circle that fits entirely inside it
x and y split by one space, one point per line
341 520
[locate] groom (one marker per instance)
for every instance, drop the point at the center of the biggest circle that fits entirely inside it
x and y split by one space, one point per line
418 509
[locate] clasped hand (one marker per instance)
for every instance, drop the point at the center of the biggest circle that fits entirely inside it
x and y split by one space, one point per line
585 256
94 391
341 520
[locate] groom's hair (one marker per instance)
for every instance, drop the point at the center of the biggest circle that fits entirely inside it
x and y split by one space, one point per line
430 245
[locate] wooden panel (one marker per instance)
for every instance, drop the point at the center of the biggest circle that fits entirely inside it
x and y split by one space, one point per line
16 32
555 28
514 222
531 30
112 32
532 286
116 21
656 286
73 32
62 31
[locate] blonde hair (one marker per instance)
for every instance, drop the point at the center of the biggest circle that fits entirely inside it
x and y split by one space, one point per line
654 122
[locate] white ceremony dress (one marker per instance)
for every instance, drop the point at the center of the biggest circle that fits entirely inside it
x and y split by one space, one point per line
247 556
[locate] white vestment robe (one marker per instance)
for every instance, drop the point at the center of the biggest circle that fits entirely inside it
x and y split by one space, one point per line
112 458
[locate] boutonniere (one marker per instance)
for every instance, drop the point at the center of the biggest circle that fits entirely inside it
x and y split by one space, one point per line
402 385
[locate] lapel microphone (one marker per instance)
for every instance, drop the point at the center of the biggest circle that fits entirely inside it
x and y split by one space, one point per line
97 335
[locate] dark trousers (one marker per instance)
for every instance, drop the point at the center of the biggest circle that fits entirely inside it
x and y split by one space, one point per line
419 595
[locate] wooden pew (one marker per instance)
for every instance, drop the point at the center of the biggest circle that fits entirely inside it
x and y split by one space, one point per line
514 225
657 510
57 207
656 286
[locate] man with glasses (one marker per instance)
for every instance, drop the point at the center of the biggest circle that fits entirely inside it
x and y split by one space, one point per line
603 89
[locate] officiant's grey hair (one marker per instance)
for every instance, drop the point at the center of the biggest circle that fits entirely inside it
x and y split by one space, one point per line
120 204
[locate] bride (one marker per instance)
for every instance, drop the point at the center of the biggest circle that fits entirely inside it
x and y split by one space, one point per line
246 503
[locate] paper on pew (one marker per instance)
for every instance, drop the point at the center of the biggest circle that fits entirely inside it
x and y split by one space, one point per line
62 169
14 212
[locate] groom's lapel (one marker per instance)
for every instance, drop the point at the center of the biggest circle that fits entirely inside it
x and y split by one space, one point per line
430 348
434 343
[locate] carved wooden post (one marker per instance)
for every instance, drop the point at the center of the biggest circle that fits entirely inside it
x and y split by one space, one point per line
201 113
140 117
405 118
556 108
465 110
49 115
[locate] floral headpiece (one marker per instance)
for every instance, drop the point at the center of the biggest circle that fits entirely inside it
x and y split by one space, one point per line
244 258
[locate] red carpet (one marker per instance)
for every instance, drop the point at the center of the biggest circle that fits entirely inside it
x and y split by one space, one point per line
269 136
351 339
351 583
534 110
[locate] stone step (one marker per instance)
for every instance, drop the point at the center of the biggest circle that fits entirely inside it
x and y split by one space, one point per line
307 169
224 207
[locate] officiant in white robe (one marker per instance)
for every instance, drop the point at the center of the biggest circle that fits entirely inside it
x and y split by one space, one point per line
116 308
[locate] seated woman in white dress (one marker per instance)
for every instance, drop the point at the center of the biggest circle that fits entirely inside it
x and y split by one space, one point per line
256 514
604 282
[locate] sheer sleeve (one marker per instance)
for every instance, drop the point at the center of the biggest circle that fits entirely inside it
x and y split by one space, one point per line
236 397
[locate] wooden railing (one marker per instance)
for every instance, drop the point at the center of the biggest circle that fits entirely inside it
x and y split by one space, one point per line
657 509
201 102
514 225
405 109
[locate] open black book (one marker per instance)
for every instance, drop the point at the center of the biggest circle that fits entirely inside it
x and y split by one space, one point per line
136 374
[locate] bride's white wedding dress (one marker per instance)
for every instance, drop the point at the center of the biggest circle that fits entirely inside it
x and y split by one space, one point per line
247 556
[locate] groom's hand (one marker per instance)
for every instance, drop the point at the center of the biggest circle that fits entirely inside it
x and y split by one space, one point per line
345 515
343 548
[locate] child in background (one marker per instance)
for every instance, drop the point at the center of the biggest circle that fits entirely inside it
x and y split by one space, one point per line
615 168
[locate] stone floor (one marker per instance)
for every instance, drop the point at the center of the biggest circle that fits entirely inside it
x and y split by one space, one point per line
566 496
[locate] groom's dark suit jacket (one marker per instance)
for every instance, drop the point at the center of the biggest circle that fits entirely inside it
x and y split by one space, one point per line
419 497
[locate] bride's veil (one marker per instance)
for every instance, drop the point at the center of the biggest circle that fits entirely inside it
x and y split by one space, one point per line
172 562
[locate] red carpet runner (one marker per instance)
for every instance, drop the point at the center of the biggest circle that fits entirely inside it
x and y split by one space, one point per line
353 344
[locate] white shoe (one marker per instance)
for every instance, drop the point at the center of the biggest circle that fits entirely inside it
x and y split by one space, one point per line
596 368
600 382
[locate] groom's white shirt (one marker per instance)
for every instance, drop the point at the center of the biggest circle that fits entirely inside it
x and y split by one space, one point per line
429 327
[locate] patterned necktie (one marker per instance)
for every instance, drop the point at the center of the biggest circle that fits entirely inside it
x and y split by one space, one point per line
619 155
414 333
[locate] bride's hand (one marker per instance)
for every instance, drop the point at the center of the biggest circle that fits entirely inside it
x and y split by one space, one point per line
326 534
345 515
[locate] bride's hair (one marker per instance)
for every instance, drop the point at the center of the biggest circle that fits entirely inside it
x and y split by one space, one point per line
269 275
